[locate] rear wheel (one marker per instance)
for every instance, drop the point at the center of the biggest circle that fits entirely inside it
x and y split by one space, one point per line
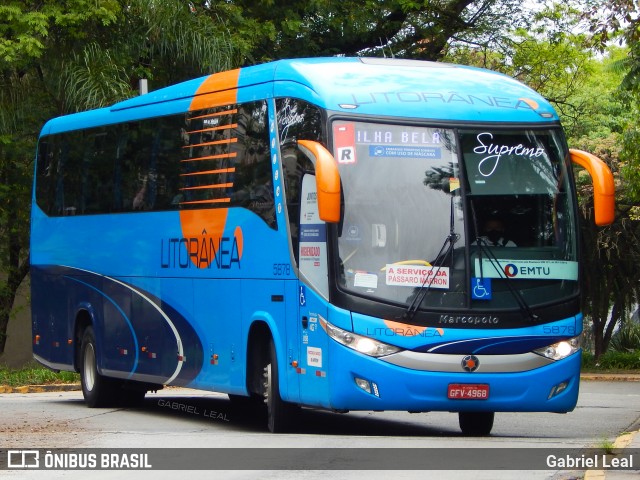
476 424
279 412
98 391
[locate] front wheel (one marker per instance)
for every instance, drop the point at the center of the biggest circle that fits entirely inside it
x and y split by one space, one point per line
476 424
98 391
279 412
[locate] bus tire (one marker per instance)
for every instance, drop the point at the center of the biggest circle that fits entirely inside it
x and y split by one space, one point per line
279 412
98 391
476 424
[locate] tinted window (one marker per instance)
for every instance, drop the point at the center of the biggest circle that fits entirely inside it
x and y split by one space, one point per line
217 157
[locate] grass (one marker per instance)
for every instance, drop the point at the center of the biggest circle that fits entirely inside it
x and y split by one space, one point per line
34 374
606 445
612 362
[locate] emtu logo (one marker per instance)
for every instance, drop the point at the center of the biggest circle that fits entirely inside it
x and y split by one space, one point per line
510 270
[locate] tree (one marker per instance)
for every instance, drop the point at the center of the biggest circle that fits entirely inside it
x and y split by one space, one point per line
609 21
27 29
421 29
61 56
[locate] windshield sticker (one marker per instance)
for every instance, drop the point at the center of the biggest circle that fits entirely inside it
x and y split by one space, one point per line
313 232
314 357
417 276
481 289
365 280
488 165
401 151
345 143
528 269
397 136
353 234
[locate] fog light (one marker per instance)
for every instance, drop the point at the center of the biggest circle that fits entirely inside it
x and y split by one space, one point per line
363 384
558 389
367 386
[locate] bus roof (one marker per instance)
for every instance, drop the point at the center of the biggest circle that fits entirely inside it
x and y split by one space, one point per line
373 86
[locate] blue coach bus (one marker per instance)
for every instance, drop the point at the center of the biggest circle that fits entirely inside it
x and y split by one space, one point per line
337 233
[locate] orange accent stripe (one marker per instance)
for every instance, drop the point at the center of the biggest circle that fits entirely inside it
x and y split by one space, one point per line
213 129
217 114
207 224
219 142
218 89
204 187
200 202
210 172
240 239
211 157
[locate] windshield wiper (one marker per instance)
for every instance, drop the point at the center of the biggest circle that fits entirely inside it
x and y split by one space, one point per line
445 250
483 246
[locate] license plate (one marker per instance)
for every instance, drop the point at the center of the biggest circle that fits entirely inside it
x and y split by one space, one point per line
466 391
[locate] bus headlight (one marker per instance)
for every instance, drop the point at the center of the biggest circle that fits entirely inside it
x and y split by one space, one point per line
560 350
359 343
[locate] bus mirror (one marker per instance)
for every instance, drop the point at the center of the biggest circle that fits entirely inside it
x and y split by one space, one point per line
327 181
603 186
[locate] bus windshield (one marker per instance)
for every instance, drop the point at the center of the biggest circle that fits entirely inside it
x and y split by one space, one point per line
465 219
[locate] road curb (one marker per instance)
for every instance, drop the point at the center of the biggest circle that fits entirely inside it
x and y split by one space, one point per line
610 377
623 441
65 387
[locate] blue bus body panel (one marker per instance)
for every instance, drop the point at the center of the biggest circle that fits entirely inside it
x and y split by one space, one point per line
415 90
447 340
412 390
191 313
361 86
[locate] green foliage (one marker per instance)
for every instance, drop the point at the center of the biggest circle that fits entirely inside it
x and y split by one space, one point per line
33 374
631 159
92 79
61 56
611 361
267 30
627 338
170 41
26 26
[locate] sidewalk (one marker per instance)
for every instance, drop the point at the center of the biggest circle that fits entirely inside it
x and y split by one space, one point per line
626 441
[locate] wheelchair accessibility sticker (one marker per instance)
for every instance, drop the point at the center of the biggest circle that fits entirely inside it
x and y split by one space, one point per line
480 288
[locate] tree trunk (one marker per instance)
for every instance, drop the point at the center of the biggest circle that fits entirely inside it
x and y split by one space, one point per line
8 293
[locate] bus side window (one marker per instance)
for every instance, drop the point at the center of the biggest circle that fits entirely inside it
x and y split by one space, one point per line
252 182
295 164
297 120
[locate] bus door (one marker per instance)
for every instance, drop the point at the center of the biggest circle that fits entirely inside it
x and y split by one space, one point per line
313 292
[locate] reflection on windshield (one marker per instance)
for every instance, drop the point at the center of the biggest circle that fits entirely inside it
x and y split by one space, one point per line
398 183
410 214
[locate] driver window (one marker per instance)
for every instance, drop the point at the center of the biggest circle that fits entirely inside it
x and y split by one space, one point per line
297 120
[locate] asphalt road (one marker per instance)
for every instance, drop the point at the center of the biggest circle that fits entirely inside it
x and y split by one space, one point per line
188 419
